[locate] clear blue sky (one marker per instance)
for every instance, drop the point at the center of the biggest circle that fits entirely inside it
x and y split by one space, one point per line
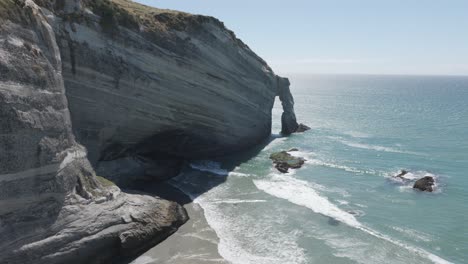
347 36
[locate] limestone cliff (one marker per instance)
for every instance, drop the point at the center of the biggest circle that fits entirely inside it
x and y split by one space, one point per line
132 83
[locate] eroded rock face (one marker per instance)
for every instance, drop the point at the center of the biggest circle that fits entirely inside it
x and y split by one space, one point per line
289 123
53 209
183 84
146 83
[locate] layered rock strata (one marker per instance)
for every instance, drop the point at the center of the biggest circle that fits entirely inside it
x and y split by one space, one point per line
52 207
140 88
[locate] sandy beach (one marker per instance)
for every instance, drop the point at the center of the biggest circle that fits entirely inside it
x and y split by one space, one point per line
194 243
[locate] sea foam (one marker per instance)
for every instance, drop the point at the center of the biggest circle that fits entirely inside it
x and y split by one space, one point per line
300 192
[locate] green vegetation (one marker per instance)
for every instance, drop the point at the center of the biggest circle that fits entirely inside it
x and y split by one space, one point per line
8 9
113 15
104 182
129 14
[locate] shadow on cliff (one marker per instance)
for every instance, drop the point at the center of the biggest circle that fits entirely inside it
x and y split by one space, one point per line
195 182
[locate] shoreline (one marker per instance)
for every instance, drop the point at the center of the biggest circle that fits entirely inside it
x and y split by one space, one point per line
195 242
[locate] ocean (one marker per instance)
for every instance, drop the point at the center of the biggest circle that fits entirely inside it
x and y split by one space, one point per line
344 206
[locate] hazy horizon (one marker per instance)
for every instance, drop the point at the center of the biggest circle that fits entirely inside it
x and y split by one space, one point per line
354 37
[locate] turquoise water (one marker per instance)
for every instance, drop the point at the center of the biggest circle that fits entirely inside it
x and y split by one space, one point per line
343 206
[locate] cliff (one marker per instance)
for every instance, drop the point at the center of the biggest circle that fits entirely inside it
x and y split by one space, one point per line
140 89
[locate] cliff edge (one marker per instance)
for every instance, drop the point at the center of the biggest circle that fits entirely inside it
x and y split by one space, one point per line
109 85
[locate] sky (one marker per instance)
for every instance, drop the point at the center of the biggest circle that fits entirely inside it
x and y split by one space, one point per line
413 37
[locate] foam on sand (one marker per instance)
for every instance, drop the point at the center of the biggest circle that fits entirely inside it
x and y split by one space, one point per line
243 239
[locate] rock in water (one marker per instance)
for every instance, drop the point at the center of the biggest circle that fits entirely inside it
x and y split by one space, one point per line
302 128
425 184
401 174
289 123
284 161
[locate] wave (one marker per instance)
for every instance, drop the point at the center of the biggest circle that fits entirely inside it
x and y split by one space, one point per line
357 134
238 201
375 147
242 237
243 240
300 193
209 166
417 235
310 159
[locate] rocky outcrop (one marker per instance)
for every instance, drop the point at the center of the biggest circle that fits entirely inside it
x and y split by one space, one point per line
289 123
166 83
125 89
425 184
53 209
284 161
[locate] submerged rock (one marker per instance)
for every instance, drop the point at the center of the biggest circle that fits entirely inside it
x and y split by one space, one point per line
425 184
284 161
401 174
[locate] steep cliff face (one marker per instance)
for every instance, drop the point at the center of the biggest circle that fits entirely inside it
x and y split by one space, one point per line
52 207
163 81
140 88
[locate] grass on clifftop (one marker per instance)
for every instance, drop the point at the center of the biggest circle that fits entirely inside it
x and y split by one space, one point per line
129 14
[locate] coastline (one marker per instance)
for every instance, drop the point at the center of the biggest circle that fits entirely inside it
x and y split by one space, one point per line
195 242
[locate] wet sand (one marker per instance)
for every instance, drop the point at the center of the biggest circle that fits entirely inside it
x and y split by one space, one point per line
194 243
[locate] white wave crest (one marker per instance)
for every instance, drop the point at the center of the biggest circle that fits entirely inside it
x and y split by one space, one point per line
375 147
209 166
238 201
413 234
300 193
243 240
357 134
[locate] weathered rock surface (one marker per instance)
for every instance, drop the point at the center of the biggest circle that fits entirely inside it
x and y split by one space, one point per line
425 184
289 123
129 170
52 207
143 88
182 85
284 161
